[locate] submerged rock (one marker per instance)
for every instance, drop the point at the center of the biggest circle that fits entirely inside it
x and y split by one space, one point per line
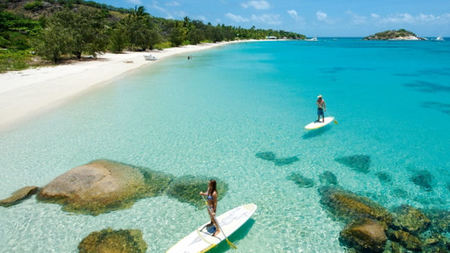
384 177
440 220
300 180
117 241
19 195
410 219
365 235
102 185
423 179
436 243
285 161
328 178
186 189
406 239
268 156
400 193
349 206
360 163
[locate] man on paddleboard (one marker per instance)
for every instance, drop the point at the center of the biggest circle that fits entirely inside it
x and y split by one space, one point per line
321 108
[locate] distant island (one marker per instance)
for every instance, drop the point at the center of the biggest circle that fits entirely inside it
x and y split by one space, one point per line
400 34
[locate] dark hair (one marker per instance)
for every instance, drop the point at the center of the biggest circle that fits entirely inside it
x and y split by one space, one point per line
211 187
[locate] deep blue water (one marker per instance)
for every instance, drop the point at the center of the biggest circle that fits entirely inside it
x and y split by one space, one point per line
212 115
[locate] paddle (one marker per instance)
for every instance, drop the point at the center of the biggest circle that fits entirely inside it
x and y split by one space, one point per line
226 238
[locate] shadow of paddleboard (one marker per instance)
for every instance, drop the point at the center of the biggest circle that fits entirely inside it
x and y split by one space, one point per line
240 234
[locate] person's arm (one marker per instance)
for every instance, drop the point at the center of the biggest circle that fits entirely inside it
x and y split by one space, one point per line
203 193
324 106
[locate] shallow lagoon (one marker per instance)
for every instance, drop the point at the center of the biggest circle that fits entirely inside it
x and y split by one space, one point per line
211 117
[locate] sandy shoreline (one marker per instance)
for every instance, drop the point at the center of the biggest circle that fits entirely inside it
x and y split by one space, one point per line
25 94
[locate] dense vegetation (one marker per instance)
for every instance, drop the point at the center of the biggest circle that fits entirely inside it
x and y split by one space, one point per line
390 34
61 29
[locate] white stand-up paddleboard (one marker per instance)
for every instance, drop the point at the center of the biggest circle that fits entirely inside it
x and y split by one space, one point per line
316 124
201 240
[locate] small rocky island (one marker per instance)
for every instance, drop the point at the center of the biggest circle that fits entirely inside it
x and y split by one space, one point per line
400 34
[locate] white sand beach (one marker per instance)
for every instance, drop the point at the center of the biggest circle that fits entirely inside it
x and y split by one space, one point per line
29 92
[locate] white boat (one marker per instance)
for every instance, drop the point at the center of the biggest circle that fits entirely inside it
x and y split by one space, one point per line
150 57
439 38
312 39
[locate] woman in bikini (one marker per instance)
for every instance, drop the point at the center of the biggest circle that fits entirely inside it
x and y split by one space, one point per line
211 197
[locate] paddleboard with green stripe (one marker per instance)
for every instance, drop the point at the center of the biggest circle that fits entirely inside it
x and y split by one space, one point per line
201 240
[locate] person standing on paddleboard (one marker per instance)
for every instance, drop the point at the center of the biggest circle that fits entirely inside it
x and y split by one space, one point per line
321 108
211 197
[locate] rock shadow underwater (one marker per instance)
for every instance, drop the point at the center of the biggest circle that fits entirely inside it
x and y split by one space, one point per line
360 163
271 157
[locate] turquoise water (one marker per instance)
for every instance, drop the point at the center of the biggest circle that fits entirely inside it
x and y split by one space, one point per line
210 116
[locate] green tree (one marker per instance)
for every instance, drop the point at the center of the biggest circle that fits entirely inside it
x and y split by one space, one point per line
118 38
89 32
177 34
54 41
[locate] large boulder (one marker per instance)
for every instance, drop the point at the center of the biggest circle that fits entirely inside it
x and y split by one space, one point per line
113 241
19 195
186 189
102 186
349 206
365 235
410 219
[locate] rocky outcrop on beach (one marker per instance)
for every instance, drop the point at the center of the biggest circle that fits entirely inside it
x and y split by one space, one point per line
300 180
364 235
19 195
349 206
400 34
186 189
117 241
102 186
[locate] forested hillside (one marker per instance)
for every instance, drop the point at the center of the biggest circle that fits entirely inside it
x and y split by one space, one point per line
33 32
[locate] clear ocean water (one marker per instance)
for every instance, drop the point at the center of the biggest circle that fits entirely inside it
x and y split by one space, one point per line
211 115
